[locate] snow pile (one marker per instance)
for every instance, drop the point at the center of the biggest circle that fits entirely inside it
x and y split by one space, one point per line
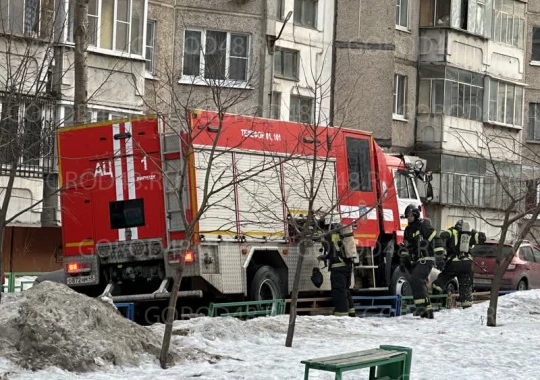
50 325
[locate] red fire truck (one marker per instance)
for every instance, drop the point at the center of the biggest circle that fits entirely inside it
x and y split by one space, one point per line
121 214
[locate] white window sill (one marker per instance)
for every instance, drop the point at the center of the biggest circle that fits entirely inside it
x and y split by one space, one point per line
399 118
113 53
534 63
403 29
528 141
510 126
150 76
211 82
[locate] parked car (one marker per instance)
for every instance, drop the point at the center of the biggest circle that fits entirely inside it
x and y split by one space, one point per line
523 271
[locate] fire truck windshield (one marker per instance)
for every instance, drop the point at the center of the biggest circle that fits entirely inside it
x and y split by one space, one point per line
405 186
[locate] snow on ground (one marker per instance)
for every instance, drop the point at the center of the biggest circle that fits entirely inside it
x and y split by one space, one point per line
457 344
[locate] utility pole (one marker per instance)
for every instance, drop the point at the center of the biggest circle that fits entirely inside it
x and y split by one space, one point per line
81 47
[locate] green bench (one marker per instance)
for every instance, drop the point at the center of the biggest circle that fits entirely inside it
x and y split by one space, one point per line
384 363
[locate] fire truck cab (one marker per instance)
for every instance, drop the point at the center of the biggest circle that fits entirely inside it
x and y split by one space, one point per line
245 179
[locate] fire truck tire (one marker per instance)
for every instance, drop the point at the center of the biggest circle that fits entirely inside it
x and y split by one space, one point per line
399 284
266 285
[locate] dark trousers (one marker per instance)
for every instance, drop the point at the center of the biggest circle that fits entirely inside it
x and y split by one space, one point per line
419 275
463 270
340 281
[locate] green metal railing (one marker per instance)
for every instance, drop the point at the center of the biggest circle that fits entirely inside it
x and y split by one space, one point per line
247 308
12 285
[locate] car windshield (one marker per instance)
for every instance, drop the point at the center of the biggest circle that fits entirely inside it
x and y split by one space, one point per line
489 250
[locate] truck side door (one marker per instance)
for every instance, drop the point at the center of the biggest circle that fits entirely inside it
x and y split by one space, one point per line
358 191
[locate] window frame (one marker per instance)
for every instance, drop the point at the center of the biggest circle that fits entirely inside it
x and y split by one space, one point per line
97 47
300 99
200 79
535 42
399 9
275 106
400 79
497 32
152 60
25 166
298 16
518 125
296 62
362 166
534 119
35 31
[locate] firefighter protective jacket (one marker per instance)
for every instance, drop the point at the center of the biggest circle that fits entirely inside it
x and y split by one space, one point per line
452 238
421 240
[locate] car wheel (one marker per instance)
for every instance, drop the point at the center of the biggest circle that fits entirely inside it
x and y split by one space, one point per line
451 288
266 285
522 285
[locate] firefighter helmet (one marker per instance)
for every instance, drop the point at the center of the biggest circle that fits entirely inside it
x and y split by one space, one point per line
412 209
459 225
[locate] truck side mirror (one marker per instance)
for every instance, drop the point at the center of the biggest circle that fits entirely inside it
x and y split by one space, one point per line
429 193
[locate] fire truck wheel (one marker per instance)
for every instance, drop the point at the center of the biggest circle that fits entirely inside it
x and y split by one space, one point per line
399 284
266 285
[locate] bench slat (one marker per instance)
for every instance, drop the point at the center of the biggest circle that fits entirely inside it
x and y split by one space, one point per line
364 360
358 357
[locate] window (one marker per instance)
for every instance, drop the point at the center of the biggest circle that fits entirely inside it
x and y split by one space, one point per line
405 186
150 46
216 55
301 109
451 91
279 9
509 22
400 88
534 121
505 103
275 112
359 164
115 25
526 254
305 12
402 13
286 63
126 214
20 17
26 128
434 12
536 45
536 254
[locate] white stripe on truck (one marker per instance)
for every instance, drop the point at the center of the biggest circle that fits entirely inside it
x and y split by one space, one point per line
131 173
118 175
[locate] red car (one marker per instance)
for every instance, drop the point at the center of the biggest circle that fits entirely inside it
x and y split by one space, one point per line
523 271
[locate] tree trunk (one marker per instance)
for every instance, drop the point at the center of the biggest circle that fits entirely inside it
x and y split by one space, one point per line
494 295
171 311
2 232
294 295
81 47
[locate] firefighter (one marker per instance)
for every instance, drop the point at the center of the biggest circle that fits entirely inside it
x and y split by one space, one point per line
340 268
459 262
418 256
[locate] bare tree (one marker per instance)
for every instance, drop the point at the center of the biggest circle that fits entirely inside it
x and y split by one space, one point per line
506 188
27 123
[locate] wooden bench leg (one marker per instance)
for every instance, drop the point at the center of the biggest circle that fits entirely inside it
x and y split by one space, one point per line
306 373
338 375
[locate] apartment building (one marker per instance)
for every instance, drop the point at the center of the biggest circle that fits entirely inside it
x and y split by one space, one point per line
376 48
